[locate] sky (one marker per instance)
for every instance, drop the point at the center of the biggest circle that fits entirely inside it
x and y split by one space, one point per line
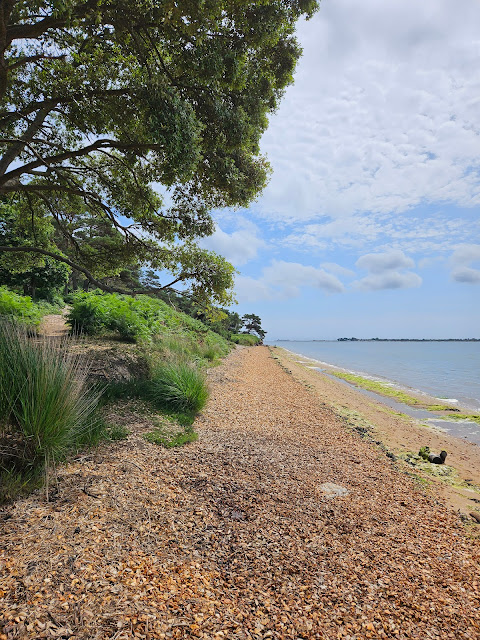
370 224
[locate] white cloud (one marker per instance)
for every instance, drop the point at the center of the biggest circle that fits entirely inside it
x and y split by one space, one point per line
289 277
466 254
389 280
378 263
385 271
238 247
251 290
413 233
463 257
383 115
337 269
466 275
283 280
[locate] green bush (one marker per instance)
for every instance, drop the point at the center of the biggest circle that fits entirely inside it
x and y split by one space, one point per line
46 407
179 386
19 308
187 347
116 432
142 319
209 352
134 319
89 313
245 339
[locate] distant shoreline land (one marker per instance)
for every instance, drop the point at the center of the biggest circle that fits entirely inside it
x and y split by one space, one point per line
386 340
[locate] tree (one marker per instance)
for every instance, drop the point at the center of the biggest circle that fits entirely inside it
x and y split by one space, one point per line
252 322
37 277
103 100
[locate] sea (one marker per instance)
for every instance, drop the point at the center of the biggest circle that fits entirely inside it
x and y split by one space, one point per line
448 370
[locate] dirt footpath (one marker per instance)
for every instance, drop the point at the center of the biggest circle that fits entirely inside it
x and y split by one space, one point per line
277 523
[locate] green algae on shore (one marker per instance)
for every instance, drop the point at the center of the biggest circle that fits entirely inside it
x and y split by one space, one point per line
386 390
471 417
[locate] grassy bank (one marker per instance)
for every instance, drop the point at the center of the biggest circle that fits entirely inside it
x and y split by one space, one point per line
51 403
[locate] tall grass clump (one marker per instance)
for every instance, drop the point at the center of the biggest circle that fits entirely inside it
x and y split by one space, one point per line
178 385
46 407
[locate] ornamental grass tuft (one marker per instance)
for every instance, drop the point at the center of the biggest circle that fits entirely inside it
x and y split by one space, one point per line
178 385
46 407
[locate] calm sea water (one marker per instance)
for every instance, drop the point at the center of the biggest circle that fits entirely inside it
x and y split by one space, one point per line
440 369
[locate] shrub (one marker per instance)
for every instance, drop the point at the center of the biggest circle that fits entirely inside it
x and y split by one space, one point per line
245 339
116 432
209 352
19 308
141 318
132 318
46 407
88 314
179 386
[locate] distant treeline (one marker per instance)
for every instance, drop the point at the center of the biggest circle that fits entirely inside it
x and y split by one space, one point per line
388 340
406 340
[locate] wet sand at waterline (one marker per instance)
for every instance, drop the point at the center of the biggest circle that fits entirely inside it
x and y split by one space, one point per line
399 434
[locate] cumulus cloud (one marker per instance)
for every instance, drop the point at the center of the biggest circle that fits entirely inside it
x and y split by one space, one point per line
386 271
338 269
466 254
379 262
283 280
289 277
238 247
250 290
462 258
467 275
389 280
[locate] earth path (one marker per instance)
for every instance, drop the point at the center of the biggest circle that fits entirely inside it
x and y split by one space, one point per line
233 536
54 326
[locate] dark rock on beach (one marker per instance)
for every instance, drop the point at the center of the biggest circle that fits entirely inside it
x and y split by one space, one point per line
437 459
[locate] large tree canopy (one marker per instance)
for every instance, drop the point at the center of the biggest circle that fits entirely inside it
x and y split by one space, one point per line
125 122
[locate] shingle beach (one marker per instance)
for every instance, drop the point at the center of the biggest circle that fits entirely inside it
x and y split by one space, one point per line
280 522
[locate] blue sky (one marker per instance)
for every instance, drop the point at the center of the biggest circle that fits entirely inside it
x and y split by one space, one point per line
370 224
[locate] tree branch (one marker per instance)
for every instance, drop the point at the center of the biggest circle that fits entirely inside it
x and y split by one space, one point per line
101 285
11 116
84 151
18 146
27 31
27 59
